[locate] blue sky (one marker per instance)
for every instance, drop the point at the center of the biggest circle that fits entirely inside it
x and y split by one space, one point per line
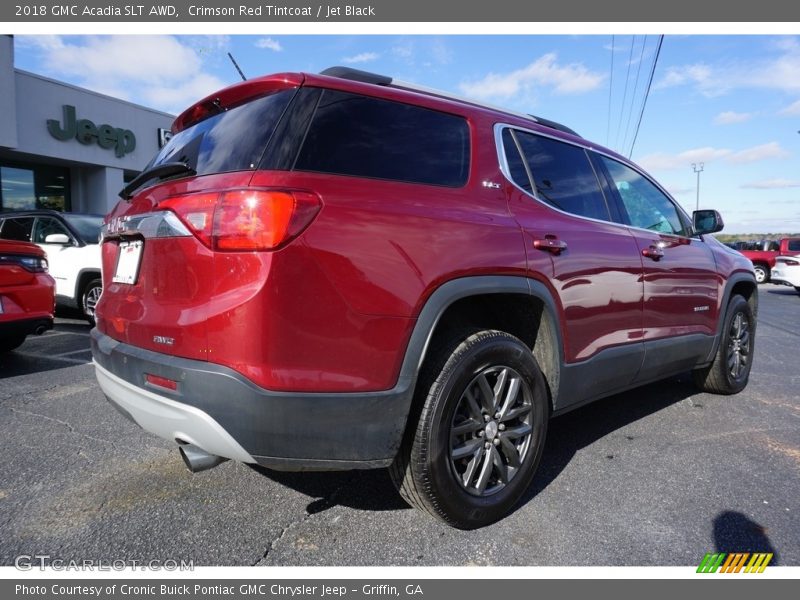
732 102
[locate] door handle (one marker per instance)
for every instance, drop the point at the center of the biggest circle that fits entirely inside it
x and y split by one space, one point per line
654 252
551 244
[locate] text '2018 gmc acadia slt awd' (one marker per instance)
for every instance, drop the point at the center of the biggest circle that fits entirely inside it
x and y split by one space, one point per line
340 271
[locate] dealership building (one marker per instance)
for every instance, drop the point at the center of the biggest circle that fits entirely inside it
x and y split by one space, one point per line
66 147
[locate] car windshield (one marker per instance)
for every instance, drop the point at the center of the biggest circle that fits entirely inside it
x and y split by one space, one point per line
87 226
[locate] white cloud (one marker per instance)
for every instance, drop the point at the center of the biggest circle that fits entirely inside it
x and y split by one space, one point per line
791 110
757 153
772 184
361 58
158 70
683 160
41 42
269 44
729 117
698 74
663 161
781 72
677 190
573 78
404 50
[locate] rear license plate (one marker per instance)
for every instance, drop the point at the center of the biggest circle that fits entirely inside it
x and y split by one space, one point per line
128 259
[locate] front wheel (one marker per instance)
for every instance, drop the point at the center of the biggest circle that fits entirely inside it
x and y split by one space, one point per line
480 434
91 294
730 371
761 272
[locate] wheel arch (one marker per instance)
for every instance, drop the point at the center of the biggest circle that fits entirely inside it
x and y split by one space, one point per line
82 280
742 284
517 305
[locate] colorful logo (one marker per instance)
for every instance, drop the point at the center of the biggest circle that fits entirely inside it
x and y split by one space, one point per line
735 562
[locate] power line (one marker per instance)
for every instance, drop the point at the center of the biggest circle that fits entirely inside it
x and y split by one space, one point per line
633 96
647 93
624 94
610 87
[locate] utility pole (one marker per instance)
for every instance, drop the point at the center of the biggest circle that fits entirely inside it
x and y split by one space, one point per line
698 168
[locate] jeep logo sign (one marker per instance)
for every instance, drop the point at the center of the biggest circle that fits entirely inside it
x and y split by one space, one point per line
123 141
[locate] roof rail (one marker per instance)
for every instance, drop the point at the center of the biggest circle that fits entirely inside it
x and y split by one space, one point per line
376 79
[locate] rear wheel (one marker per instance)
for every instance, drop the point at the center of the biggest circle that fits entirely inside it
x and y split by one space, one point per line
730 371
91 294
480 434
762 274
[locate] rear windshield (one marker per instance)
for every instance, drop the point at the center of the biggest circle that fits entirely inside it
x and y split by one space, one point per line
233 140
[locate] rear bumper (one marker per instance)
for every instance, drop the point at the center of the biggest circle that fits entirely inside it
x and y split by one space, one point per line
225 414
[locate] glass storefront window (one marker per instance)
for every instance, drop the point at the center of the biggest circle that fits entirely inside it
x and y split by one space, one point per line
25 187
19 191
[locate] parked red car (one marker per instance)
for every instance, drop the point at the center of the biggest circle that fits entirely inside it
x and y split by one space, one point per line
340 271
764 259
27 293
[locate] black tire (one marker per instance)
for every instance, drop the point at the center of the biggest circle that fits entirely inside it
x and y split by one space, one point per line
450 465
762 273
11 343
730 370
89 297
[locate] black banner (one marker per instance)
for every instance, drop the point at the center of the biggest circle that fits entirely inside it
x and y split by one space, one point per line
358 11
362 589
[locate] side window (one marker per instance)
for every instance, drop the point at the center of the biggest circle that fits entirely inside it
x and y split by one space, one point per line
44 227
516 166
646 205
369 137
794 246
18 229
563 176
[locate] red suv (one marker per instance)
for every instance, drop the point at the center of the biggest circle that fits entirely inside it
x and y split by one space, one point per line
27 293
340 271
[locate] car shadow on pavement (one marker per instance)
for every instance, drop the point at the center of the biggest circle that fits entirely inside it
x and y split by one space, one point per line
578 429
373 489
783 292
67 345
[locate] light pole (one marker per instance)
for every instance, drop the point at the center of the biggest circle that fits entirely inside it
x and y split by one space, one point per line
698 168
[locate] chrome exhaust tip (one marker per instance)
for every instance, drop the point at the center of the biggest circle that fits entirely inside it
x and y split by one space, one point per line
40 330
196 459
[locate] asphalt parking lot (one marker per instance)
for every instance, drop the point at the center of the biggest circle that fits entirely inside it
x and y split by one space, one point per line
656 476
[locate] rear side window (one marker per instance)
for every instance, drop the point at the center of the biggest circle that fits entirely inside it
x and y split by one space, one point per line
516 166
370 137
18 229
233 140
794 246
563 176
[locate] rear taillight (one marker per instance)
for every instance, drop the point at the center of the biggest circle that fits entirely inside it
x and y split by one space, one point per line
790 263
34 264
196 211
246 219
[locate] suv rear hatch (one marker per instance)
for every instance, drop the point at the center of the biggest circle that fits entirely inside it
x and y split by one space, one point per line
181 250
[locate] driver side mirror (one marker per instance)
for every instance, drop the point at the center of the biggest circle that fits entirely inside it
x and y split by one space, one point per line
707 221
57 238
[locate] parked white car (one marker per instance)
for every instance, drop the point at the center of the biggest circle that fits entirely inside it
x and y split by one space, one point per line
787 271
71 242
